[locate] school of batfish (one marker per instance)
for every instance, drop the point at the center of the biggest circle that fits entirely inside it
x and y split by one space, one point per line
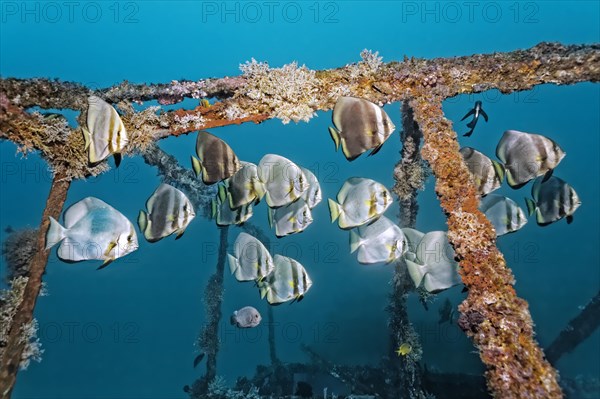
92 229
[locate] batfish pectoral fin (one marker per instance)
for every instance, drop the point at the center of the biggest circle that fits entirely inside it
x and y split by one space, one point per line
111 246
547 175
107 262
376 150
118 157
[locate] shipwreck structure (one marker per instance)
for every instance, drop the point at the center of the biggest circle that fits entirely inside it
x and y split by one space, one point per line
492 315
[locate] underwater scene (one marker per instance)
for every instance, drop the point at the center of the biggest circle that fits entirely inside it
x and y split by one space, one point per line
299 199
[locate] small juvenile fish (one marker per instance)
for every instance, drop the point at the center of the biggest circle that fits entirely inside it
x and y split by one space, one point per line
504 213
289 281
432 262
487 174
380 241
92 230
290 219
359 201
476 112
312 196
284 180
360 125
526 156
246 317
169 211
216 162
244 186
224 215
404 349
553 199
251 260
105 134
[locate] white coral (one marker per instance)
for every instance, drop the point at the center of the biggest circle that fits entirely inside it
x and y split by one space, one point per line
290 91
33 347
370 63
194 121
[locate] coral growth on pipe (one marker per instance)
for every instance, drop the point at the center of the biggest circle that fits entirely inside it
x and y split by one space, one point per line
409 176
503 343
495 318
307 91
12 355
208 342
18 249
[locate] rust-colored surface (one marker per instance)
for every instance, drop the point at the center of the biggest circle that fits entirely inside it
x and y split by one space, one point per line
492 315
9 364
213 117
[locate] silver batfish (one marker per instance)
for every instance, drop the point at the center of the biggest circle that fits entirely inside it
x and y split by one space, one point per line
527 155
504 213
431 261
284 180
359 201
553 200
487 174
169 211
216 160
92 230
290 219
312 196
380 241
105 134
360 125
250 260
224 215
289 281
244 186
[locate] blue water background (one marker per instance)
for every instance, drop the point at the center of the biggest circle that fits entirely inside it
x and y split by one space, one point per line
129 330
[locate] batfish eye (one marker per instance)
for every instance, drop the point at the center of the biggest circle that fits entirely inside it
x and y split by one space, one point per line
129 238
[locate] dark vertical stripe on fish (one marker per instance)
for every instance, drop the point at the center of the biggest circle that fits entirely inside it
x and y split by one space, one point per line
295 280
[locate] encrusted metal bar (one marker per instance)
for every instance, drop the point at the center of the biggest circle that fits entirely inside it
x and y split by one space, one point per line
11 358
492 315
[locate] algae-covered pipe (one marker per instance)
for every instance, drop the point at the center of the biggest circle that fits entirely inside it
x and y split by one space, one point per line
9 364
492 315
214 298
409 176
